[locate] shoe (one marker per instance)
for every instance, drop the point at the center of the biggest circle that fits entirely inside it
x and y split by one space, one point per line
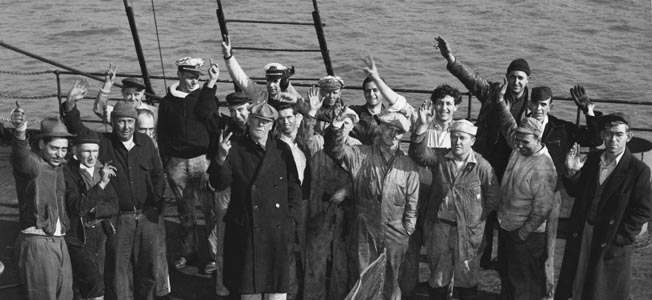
210 268
180 263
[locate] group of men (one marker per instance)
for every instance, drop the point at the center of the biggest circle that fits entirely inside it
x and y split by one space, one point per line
301 195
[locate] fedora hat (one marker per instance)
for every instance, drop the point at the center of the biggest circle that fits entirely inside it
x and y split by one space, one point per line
53 127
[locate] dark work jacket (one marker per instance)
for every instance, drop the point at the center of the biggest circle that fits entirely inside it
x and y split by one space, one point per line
624 206
80 201
559 136
40 188
181 133
262 214
139 177
489 142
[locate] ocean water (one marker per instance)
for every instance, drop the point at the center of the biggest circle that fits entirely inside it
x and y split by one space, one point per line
603 45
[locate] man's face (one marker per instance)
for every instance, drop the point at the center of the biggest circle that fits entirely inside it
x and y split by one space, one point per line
516 82
87 154
133 95
390 135
239 113
259 128
274 86
615 138
145 124
445 108
540 109
461 143
188 81
371 94
287 121
54 151
124 128
330 97
526 143
347 126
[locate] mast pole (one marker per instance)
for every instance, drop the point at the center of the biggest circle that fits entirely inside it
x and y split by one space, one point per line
139 48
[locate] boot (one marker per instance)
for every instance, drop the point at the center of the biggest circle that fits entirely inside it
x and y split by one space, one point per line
440 293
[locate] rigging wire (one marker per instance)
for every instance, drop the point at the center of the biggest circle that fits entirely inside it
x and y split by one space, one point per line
158 40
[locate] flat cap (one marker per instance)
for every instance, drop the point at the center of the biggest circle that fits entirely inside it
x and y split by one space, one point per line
133 82
394 119
89 137
237 99
331 83
464 126
541 93
264 111
530 126
613 117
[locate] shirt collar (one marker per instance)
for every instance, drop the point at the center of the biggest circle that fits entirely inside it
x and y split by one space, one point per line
603 159
469 159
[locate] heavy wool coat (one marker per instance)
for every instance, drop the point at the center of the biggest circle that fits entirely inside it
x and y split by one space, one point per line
262 214
624 206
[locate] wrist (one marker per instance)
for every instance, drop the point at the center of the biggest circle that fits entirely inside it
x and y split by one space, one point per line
228 56
106 89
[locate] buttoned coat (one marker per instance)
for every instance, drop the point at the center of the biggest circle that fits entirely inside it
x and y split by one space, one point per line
624 206
262 214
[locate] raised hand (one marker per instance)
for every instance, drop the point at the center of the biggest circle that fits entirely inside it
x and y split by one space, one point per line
314 100
213 73
426 114
223 146
18 119
370 68
574 160
498 91
285 79
444 49
226 48
106 172
581 99
109 76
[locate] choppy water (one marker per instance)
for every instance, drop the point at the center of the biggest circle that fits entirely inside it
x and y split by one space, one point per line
604 45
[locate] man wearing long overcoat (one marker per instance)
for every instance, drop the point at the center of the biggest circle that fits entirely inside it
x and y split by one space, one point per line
613 201
262 214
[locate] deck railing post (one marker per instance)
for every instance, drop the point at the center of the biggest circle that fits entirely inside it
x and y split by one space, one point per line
57 74
322 39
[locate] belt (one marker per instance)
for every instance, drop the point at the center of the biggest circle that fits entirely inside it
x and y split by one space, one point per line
447 222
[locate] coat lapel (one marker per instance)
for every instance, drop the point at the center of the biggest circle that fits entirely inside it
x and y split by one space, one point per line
615 180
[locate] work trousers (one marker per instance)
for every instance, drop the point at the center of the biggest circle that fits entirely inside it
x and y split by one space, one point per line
522 266
162 285
444 261
44 267
131 257
326 255
189 183
216 238
88 263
